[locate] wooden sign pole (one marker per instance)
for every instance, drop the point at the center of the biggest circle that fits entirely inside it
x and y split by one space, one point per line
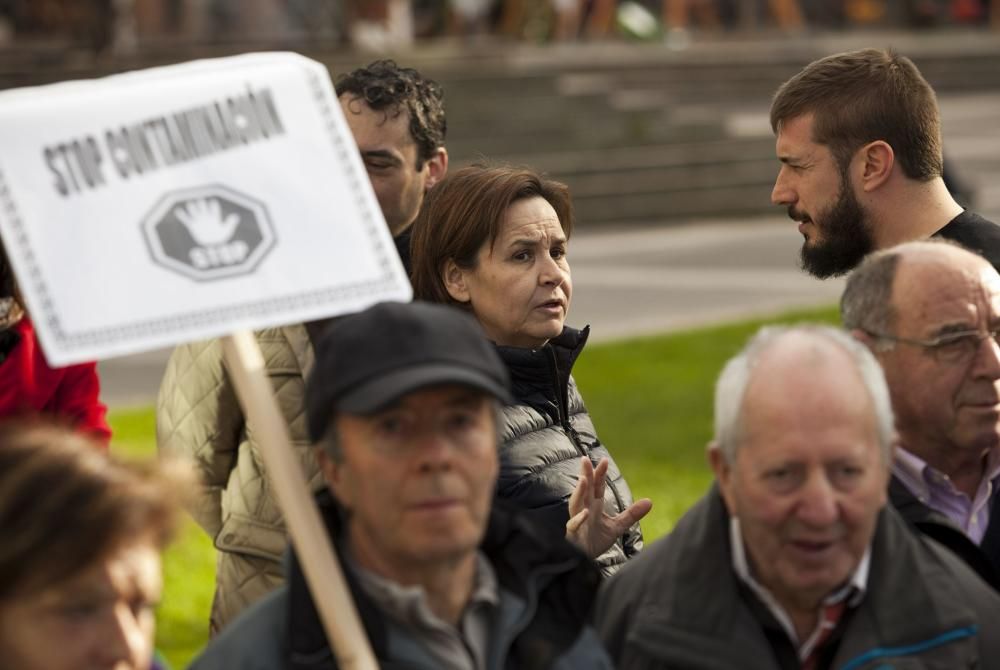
326 582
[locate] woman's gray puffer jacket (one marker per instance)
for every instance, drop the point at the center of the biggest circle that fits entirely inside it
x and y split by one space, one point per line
545 434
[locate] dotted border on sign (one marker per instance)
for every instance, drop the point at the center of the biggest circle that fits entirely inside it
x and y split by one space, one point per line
34 271
213 316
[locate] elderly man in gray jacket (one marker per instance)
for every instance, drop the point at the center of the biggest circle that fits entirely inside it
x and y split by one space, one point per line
793 559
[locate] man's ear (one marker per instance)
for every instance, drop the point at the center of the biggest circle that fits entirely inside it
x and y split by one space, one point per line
717 461
437 167
877 159
332 473
453 278
723 470
863 337
869 341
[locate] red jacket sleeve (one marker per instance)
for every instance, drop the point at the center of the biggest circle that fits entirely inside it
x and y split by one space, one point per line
78 399
29 386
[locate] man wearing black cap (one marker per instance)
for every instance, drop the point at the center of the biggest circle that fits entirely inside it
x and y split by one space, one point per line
402 403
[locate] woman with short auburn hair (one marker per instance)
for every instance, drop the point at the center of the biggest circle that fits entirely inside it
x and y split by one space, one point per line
469 212
493 241
80 551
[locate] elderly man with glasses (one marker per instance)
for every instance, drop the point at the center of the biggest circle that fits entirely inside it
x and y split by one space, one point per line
930 312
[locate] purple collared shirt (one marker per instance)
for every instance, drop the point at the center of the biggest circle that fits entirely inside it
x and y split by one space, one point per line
935 489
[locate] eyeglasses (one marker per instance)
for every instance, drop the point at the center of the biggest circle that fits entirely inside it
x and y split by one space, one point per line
949 348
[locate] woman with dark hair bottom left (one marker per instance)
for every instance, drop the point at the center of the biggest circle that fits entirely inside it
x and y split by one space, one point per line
494 241
80 552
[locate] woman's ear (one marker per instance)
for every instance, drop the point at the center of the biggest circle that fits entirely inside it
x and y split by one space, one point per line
453 278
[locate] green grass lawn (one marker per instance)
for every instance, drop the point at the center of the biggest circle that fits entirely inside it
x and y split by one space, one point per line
651 400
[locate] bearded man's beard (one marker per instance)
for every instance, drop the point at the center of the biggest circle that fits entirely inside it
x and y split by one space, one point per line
844 237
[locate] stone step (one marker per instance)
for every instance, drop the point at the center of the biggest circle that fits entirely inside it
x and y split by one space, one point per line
740 201
625 159
666 180
560 134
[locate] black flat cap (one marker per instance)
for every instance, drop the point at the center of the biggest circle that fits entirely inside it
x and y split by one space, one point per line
367 360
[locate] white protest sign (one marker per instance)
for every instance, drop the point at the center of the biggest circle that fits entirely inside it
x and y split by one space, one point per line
184 202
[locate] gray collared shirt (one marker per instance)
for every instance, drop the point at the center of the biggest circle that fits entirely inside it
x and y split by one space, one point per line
464 647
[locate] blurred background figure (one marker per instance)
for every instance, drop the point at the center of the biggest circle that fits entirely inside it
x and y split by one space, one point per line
80 557
600 19
787 15
468 18
28 386
223 17
378 25
318 22
568 15
91 23
122 27
677 16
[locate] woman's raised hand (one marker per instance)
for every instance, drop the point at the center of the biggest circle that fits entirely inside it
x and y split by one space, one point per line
589 527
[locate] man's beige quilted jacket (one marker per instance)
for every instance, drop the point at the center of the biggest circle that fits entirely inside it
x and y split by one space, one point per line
198 416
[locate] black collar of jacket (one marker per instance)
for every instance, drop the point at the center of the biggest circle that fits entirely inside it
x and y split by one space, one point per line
937 526
521 554
540 377
402 242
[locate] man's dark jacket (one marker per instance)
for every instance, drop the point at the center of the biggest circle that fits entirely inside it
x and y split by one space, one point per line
984 559
551 584
680 605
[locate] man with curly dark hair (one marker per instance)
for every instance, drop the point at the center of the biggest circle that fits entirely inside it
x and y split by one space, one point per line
397 118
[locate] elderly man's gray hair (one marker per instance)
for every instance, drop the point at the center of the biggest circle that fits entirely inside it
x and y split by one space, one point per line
735 377
866 303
